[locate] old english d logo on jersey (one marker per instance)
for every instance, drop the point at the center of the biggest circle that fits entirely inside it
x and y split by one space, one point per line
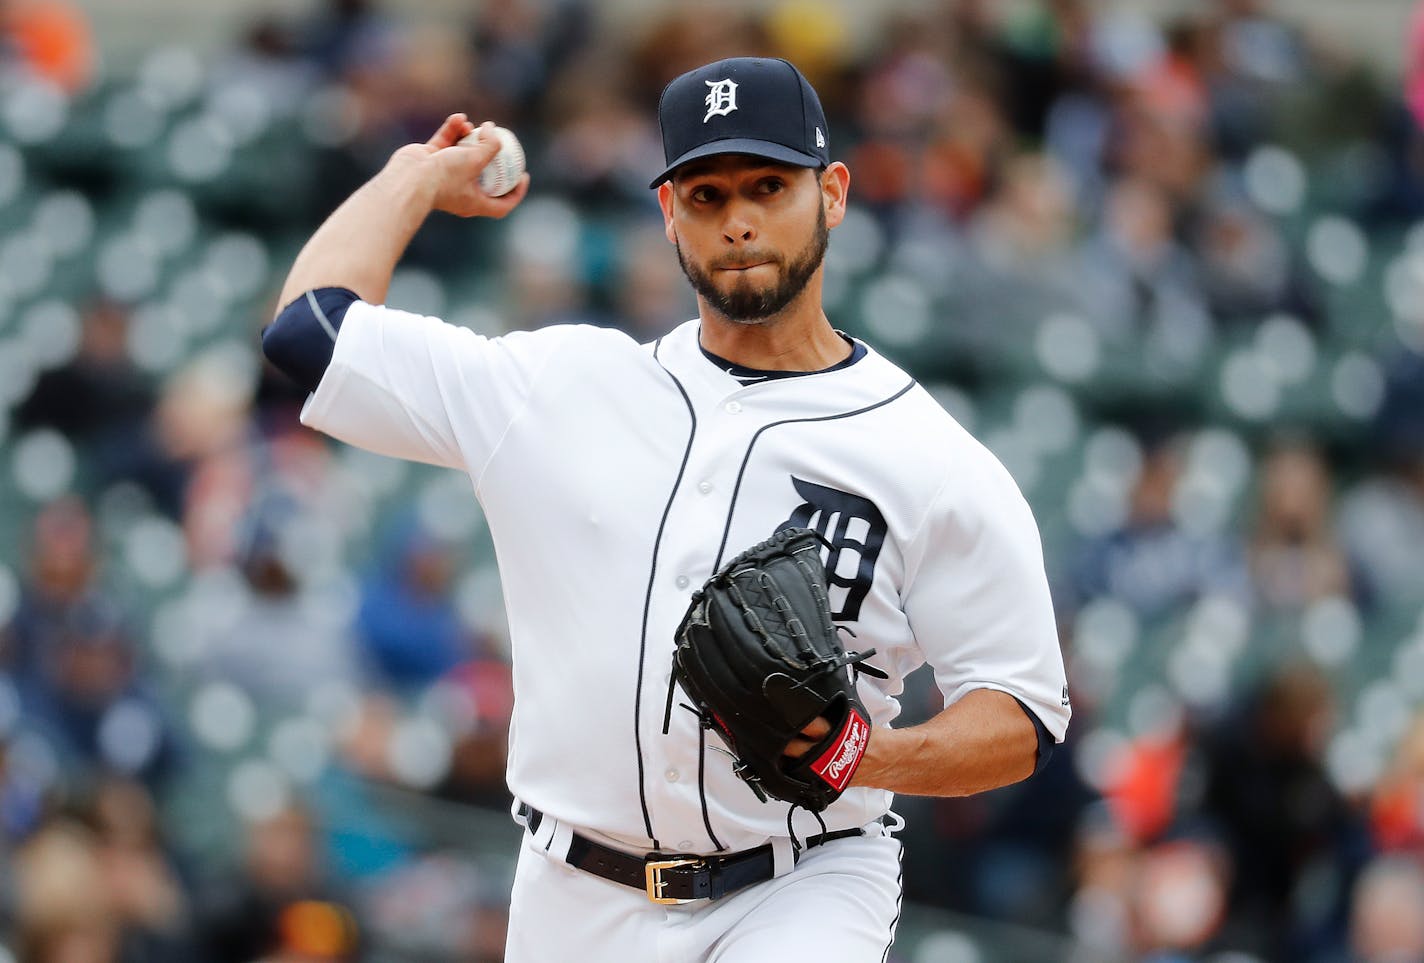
721 99
850 524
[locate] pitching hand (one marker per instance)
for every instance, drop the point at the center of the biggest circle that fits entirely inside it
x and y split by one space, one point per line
455 169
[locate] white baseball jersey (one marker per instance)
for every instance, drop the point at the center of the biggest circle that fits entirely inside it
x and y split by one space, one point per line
617 477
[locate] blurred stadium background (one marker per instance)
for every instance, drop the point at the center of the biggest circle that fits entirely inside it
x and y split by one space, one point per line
1165 258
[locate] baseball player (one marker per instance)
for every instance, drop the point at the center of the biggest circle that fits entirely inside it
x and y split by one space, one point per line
617 477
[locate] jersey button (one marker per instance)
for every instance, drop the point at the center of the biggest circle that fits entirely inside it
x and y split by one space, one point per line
671 775
682 581
704 487
733 407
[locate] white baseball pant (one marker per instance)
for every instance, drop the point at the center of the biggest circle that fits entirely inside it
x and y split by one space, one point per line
840 904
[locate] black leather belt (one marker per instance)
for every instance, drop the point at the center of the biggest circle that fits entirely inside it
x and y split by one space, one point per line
670 878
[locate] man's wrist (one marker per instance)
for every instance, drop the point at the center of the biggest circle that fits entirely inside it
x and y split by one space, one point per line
882 753
409 180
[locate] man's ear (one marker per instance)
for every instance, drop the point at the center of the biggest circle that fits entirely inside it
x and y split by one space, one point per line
835 190
665 200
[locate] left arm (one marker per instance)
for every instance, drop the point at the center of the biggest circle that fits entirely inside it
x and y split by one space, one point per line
979 607
982 742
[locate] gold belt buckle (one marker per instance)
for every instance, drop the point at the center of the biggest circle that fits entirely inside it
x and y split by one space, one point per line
653 872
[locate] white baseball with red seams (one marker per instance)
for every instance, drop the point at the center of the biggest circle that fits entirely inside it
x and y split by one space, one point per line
506 167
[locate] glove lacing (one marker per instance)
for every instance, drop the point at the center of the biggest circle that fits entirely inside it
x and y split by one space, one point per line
796 846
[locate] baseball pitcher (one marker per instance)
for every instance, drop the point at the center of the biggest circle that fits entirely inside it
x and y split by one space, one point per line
721 551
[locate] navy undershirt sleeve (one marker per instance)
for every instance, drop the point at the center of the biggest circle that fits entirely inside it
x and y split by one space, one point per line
301 341
1045 738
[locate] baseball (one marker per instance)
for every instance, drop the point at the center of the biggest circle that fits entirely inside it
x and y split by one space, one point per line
505 168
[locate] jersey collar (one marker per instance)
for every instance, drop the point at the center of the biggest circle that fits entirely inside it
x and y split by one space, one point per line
863 378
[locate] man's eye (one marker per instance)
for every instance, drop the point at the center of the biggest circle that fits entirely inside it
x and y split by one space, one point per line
703 195
771 186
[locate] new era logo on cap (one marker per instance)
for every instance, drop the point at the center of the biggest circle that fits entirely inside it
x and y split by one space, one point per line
745 105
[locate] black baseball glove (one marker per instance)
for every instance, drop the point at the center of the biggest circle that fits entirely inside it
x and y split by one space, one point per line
760 658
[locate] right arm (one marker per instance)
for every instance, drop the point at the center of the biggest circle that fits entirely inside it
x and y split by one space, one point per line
360 244
388 382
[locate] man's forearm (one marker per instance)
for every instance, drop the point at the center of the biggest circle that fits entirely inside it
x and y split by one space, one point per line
360 244
982 742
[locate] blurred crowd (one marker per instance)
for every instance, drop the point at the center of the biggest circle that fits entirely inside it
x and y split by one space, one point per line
231 654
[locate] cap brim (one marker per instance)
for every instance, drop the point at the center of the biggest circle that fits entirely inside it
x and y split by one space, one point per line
741 145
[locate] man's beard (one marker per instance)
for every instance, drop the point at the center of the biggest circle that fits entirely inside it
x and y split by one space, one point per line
746 304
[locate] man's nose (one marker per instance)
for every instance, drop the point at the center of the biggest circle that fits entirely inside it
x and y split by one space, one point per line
738 228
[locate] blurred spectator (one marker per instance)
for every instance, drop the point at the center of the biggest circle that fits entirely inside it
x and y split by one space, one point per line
93 705
1012 266
1179 898
409 629
891 102
1250 59
278 640
280 905
1104 868
545 290
452 741
650 294
1247 271
484 687
1414 67
149 901
65 910
1386 924
967 148
1134 274
518 45
686 35
344 33
1152 563
1382 517
600 139
62 565
1397 806
1145 793
442 906
1285 823
269 63
1046 50
1294 556
1008 854
48 39
101 401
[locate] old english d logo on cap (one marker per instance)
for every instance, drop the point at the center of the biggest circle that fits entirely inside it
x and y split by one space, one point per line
745 105
721 99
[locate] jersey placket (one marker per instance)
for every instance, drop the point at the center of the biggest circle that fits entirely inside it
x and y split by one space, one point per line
694 531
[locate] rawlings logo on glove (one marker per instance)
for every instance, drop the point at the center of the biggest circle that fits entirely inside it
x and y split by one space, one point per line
761 659
843 758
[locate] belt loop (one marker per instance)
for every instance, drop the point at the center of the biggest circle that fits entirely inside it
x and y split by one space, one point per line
783 857
543 837
516 809
559 838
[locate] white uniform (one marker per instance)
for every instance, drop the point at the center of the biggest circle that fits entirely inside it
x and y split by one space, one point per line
616 478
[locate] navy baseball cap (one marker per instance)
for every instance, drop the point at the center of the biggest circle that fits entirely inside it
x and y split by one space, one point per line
745 105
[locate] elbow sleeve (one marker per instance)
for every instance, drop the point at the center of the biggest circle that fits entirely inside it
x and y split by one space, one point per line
1045 738
301 341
